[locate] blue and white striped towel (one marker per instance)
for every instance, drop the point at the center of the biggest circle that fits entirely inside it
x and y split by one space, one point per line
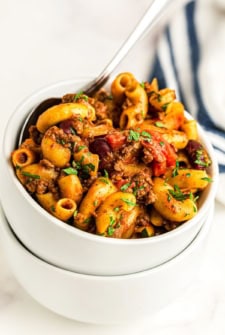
190 59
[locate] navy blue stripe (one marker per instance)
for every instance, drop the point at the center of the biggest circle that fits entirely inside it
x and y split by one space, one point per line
176 74
221 168
158 73
202 115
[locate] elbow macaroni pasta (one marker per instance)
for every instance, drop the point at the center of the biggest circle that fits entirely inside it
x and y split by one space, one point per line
118 164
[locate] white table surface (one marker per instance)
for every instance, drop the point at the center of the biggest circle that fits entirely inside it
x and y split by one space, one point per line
43 41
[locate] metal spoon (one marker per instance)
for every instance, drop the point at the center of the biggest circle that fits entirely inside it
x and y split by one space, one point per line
149 19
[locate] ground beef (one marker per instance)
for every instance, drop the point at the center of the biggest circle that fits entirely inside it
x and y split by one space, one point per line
143 188
47 164
35 135
147 157
101 110
41 186
86 183
131 152
142 221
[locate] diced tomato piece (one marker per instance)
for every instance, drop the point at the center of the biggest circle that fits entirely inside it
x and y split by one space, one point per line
163 153
169 153
115 140
158 168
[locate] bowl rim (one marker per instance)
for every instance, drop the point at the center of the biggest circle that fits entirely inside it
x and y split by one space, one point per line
72 229
198 240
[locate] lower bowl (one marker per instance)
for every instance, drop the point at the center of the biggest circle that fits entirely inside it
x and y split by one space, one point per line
103 299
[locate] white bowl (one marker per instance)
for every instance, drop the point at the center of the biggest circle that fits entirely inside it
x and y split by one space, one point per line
69 247
103 299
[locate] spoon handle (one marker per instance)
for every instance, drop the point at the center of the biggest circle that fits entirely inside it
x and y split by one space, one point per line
151 16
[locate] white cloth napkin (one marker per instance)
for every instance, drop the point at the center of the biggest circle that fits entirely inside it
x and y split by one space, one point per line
190 58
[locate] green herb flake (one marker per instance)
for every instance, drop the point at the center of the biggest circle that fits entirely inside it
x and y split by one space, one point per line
106 175
142 84
61 141
159 124
81 147
128 202
52 208
188 175
161 143
88 167
80 95
208 179
133 135
169 197
146 134
104 180
73 131
30 175
116 209
110 230
177 193
95 203
200 162
164 107
87 220
175 170
70 170
125 187
111 220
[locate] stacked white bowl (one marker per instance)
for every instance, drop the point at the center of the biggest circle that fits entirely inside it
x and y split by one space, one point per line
87 277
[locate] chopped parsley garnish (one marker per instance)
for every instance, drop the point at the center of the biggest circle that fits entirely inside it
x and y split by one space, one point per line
208 179
73 131
164 107
116 209
70 170
125 187
95 203
111 229
30 175
80 95
142 84
159 124
106 173
104 180
146 135
87 220
128 202
81 147
133 135
201 158
52 208
177 193
61 141
87 168
175 170
84 169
